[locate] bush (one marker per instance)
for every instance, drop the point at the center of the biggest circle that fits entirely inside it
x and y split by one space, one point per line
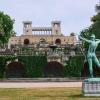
34 65
74 67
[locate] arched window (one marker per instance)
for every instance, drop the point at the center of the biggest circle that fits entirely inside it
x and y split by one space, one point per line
26 41
58 41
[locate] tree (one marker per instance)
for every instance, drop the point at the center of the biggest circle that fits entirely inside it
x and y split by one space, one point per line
93 29
6 27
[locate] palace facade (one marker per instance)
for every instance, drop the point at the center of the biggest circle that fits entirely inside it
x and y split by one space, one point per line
50 35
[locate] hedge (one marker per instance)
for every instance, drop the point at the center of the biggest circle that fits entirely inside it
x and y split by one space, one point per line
74 67
34 65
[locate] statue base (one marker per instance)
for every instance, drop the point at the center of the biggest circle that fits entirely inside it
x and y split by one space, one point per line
91 87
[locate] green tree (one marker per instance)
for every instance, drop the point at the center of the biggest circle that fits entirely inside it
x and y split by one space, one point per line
6 27
93 29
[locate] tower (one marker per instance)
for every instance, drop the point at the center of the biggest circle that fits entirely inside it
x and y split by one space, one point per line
97 8
27 28
56 29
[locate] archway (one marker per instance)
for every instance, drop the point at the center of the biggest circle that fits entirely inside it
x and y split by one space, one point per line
58 41
26 41
54 69
15 70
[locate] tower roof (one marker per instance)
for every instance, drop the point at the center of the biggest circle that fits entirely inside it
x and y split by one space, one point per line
27 22
56 21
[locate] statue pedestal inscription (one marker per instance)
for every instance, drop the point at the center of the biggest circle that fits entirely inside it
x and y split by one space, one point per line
91 87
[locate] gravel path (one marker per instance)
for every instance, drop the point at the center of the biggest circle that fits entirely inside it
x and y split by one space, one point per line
39 84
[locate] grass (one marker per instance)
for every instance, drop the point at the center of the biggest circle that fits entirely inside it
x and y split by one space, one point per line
44 94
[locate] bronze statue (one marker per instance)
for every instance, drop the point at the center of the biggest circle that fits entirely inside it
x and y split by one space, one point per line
91 56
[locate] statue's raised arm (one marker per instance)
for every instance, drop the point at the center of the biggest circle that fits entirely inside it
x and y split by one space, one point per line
84 39
97 40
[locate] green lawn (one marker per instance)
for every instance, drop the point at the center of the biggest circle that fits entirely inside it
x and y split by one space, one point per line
44 94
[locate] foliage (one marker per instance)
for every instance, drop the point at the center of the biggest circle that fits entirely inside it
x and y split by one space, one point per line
93 29
3 61
86 34
6 27
34 65
74 67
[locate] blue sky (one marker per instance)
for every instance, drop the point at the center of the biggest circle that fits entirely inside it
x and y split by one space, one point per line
74 14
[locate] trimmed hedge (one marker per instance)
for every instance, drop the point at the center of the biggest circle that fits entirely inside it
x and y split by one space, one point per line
34 65
74 67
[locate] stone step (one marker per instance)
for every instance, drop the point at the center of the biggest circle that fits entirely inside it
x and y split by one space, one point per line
42 80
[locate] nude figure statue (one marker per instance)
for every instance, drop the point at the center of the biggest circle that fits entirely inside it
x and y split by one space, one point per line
91 56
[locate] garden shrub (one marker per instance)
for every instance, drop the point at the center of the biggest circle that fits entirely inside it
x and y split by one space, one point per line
34 65
74 67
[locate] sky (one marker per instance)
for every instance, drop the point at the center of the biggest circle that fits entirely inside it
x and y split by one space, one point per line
74 14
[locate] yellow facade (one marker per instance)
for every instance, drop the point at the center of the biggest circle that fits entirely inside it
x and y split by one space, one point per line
51 35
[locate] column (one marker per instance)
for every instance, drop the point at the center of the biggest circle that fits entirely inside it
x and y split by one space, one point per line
46 32
33 32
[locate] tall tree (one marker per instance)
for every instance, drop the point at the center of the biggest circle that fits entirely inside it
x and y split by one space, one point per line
93 29
6 27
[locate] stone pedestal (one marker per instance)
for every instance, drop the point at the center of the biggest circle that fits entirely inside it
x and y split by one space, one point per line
91 87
